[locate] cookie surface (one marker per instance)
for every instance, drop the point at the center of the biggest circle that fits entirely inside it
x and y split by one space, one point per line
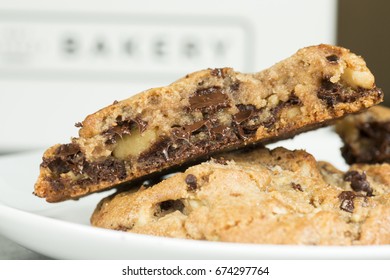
206 112
260 196
366 136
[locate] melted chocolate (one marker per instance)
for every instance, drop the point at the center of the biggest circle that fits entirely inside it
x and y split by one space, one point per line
107 170
334 93
186 131
68 158
209 99
184 142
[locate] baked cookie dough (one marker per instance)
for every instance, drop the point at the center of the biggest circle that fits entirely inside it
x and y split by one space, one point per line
259 196
366 136
203 113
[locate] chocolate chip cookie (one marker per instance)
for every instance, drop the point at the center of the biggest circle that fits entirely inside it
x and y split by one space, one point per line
366 136
259 196
203 113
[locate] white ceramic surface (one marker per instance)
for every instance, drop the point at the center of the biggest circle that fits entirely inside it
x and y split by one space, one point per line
62 230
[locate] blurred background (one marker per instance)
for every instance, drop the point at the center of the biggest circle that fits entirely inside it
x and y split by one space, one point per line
61 60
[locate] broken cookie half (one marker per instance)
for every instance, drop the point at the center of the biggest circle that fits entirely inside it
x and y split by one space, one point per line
204 113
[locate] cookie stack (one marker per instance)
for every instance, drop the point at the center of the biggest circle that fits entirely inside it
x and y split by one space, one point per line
209 128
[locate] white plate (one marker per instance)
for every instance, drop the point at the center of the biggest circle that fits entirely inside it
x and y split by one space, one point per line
62 230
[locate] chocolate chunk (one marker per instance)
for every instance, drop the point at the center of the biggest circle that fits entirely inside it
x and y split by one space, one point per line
58 166
209 99
221 130
333 58
107 170
185 132
329 92
218 72
347 198
191 181
68 157
240 120
115 102
242 116
358 182
297 187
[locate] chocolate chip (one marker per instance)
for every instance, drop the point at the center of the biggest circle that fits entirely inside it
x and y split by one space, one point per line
296 187
78 124
358 182
208 99
333 58
347 198
115 102
191 181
